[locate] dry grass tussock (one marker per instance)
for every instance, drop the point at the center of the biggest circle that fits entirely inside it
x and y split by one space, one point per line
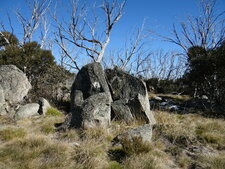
35 144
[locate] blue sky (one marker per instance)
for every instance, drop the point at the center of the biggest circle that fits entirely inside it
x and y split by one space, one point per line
159 15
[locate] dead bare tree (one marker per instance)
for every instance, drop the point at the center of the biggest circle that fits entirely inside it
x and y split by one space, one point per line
133 56
38 10
165 65
84 31
206 30
44 30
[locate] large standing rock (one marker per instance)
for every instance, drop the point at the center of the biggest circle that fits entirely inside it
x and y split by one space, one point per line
15 86
27 110
131 92
90 98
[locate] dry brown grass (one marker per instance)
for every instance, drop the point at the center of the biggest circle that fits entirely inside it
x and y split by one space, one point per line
34 143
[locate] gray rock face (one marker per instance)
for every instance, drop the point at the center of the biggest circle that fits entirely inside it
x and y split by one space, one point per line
90 98
44 105
15 85
132 93
143 133
27 110
2 102
122 111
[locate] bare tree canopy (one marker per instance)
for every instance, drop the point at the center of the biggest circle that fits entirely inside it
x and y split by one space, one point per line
206 30
83 30
38 10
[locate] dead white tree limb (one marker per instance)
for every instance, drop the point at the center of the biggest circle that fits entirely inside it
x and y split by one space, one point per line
38 10
84 30
133 56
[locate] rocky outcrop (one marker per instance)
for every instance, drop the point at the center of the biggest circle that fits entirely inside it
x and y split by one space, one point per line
90 98
130 97
15 86
27 110
141 133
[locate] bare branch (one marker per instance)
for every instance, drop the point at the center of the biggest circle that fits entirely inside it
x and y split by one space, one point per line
38 10
83 31
205 30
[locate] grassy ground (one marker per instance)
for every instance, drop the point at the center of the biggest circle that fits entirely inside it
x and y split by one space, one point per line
179 141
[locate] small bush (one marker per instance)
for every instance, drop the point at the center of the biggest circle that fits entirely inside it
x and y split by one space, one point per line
11 133
53 112
91 154
136 146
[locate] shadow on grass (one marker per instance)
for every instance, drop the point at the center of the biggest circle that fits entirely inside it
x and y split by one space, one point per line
117 155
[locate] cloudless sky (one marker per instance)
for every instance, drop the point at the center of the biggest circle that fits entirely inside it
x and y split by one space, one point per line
159 15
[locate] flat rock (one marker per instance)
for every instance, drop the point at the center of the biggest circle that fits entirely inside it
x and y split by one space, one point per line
27 110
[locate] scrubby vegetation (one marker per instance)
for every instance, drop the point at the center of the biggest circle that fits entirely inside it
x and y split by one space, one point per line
179 141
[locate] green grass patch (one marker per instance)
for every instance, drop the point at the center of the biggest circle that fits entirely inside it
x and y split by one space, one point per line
10 133
114 165
53 112
48 128
211 132
35 152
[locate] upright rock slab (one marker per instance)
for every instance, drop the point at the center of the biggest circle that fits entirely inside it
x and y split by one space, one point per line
90 98
44 105
15 86
130 97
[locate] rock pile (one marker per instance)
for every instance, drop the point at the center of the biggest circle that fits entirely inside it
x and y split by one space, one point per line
97 97
14 87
